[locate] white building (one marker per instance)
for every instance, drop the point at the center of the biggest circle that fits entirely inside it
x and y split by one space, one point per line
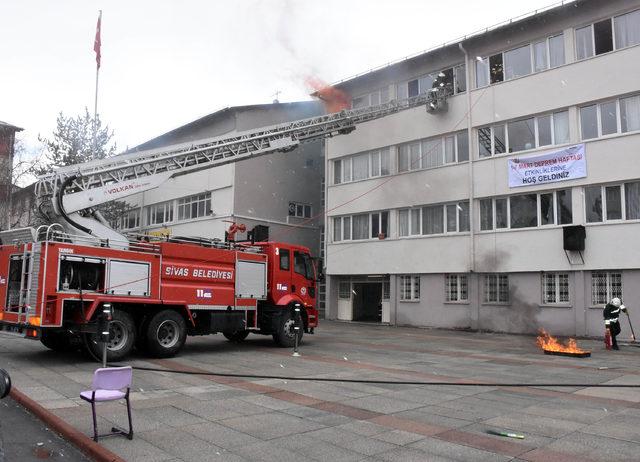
282 191
423 227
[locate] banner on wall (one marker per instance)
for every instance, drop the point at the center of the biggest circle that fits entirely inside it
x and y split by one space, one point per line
566 164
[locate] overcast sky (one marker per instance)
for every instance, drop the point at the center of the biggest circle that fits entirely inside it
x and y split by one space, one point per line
168 62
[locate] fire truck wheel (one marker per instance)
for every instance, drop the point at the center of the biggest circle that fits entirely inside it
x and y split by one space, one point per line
166 334
55 340
122 338
285 335
236 336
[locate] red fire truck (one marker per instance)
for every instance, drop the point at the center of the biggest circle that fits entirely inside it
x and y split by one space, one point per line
56 279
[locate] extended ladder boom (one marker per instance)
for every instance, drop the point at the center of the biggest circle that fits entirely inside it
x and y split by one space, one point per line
112 177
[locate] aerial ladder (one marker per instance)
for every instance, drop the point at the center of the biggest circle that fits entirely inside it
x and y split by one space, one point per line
75 191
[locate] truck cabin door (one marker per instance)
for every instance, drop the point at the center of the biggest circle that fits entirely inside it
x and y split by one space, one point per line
303 276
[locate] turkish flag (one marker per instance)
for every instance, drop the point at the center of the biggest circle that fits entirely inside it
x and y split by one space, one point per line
96 42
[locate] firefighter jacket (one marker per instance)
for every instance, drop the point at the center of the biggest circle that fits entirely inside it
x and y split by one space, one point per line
611 313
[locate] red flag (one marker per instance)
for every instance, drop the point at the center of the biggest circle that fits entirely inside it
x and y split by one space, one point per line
96 42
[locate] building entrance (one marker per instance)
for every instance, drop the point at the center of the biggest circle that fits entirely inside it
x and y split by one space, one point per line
367 301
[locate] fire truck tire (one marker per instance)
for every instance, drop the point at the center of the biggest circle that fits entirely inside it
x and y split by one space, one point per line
166 334
285 336
55 340
122 338
236 336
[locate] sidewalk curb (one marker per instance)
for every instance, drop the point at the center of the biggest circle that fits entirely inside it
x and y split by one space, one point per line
85 444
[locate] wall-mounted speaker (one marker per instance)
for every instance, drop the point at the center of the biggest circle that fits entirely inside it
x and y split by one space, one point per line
573 237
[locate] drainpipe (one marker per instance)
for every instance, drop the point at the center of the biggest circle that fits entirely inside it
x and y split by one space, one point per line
472 241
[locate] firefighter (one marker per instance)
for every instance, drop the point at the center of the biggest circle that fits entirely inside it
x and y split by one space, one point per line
611 313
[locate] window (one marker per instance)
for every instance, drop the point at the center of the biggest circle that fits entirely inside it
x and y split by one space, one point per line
285 259
521 135
453 79
612 202
360 227
434 152
344 290
158 214
518 62
605 285
456 288
555 288
128 220
198 205
589 122
434 219
527 210
296 209
627 29
630 114
496 288
386 290
362 166
302 265
375 98
607 35
409 288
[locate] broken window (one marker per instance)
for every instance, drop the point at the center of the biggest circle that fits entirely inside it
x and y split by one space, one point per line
496 70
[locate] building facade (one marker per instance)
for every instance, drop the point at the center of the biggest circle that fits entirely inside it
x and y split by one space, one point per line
424 226
282 191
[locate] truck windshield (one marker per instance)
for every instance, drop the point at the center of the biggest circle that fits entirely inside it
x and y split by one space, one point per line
302 264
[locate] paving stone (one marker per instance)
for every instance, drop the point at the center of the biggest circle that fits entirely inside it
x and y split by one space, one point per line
458 452
170 415
219 435
269 426
398 437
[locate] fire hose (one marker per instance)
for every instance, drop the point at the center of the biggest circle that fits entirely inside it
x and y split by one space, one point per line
379 382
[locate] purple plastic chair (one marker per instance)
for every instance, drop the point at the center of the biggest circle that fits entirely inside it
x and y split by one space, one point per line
108 385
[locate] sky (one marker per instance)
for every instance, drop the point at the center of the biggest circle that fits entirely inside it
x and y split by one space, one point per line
168 62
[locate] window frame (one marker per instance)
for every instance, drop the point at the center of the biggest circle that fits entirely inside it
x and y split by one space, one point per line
383 156
604 206
344 218
608 287
556 277
487 64
494 218
591 27
167 212
499 300
187 203
536 134
307 210
451 279
414 287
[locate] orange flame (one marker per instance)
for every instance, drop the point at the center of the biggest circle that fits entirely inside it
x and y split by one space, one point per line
334 100
549 343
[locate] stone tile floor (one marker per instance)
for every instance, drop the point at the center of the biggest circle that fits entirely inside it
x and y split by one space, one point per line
192 418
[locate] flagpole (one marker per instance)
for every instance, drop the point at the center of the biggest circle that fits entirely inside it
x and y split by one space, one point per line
96 47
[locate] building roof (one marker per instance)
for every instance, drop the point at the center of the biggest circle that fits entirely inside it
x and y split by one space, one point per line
6 126
215 116
540 14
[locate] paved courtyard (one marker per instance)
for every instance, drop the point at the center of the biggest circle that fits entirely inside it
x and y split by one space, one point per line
195 418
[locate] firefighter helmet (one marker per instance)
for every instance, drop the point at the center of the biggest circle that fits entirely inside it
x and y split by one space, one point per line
616 302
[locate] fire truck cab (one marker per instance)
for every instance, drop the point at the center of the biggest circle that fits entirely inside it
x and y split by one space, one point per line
161 290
